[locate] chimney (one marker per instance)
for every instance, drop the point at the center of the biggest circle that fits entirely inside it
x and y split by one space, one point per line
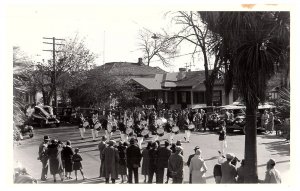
181 74
140 61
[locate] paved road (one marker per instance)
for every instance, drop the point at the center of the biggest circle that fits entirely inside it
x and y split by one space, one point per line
268 146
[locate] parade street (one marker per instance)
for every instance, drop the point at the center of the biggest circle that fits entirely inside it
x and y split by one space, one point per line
268 146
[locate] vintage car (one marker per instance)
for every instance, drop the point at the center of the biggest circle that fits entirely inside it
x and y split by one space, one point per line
240 117
42 116
64 114
238 123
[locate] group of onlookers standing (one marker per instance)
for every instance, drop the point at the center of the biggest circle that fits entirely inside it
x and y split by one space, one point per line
226 172
162 161
63 160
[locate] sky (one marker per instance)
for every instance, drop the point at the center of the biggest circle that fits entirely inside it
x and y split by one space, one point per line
111 32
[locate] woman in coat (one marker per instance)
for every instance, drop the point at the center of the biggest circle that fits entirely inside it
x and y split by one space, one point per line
54 153
122 162
145 165
198 168
111 159
67 154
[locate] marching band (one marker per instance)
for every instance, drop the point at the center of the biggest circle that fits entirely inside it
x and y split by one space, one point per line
134 125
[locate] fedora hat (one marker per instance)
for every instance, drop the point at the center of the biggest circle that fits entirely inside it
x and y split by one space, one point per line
46 138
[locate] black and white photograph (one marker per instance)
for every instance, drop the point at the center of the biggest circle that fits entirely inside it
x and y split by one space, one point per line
131 93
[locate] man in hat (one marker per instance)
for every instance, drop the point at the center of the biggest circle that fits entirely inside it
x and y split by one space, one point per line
43 157
101 146
163 154
133 154
229 172
153 161
189 162
272 174
175 165
110 157
178 143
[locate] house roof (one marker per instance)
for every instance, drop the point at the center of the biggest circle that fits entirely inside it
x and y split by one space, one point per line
172 80
151 83
192 78
127 69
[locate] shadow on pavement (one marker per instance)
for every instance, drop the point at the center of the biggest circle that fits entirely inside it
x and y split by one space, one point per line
211 158
280 147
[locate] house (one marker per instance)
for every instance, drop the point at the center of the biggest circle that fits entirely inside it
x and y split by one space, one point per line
183 89
129 70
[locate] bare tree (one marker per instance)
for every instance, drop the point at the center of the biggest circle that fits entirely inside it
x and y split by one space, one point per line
157 45
196 33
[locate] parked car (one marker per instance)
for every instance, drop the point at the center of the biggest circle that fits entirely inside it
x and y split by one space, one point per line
42 116
64 114
239 121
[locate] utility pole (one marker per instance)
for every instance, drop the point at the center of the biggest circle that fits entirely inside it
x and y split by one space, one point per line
186 66
53 43
191 66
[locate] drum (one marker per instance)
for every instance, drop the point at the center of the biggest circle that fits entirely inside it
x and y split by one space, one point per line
129 123
144 123
85 124
191 127
159 122
97 126
164 120
175 129
145 133
160 132
129 131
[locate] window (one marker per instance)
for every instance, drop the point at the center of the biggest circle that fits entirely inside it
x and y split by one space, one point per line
184 97
170 97
188 97
199 97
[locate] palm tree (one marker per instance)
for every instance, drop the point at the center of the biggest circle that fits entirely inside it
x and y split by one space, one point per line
253 41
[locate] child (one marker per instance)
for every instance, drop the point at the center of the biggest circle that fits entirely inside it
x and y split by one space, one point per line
77 163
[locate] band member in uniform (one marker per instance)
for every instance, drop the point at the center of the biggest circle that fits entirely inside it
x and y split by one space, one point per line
113 125
186 129
80 121
95 121
168 129
129 128
104 126
152 124
122 129
92 121
138 131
